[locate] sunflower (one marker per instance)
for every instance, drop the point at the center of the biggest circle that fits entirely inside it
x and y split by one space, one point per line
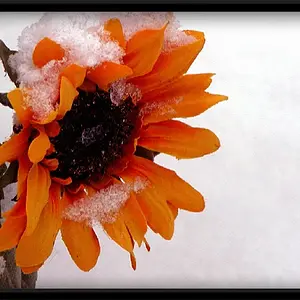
82 123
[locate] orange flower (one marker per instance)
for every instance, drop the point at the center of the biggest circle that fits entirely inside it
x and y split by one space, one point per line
86 146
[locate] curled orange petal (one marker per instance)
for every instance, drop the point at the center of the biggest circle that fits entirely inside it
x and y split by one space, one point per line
171 65
45 51
67 95
114 27
82 244
118 232
155 209
143 50
38 184
39 146
11 232
75 74
169 185
24 166
178 139
34 249
107 73
13 148
24 115
134 219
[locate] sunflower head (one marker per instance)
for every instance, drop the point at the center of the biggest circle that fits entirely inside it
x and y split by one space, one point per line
96 101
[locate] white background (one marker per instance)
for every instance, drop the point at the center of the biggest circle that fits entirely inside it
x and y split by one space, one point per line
248 235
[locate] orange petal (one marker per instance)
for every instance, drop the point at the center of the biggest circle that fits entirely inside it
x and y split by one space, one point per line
114 27
178 139
45 51
39 146
88 86
75 74
188 105
61 181
147 245
24 115
133 261
67 95
51 164
119 233
169 185
82 244
173 209
52 129
38 184
18 209
34 249
29 270
50 118
143 50
159 217
171 65
134 219
107 73
11 232
13 148
23 170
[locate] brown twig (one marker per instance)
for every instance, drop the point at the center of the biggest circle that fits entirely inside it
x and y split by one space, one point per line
5 53
4 100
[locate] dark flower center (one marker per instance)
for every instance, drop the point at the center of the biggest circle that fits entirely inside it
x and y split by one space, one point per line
93 134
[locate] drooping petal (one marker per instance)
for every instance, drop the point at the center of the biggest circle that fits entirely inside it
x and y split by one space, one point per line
82 244
169 185
52 129
178 139
107 73
24 115
38 184
24 167
13 148
196 83
119 233
159 217
134 219
45 51
11 232
171 65
114 27
143 50
75 74
188 105
18 209
67 95
152 203
39 146
34 249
